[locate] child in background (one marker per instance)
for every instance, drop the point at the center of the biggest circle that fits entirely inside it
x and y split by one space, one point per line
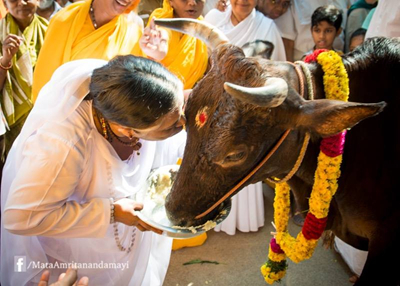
357 38
325 27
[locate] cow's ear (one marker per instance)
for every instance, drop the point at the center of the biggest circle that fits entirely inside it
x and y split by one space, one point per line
329 117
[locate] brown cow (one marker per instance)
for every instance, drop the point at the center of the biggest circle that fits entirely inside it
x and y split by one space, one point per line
243 126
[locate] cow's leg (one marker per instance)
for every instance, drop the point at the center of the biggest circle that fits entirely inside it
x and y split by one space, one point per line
384 248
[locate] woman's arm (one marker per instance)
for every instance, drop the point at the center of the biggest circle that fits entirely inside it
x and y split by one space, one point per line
10 47
40 199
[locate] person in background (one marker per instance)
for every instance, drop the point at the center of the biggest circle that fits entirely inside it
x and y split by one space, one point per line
147 7
183 55
64 3
325 27
385 21
295 24
221 5
242 24
88 146
367 19
21 40
357 38
99 29
47 9
355 18
274 9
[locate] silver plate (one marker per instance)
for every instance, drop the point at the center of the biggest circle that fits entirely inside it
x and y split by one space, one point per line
155 215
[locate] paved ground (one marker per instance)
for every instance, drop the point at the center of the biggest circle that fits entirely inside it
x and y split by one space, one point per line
240 257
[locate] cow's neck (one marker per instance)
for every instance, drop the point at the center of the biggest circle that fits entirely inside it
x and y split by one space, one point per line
302 182
317 78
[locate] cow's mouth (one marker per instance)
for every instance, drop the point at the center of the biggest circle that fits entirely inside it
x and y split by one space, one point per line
216 217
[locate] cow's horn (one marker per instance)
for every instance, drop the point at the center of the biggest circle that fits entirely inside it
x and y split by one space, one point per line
270 95
210 35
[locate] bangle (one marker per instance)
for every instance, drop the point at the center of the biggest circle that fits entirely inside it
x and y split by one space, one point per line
112 219
3 67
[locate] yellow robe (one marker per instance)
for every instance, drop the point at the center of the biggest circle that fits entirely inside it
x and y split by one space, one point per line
71 36
187 56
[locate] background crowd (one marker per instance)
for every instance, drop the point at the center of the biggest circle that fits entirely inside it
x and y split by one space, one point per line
39 36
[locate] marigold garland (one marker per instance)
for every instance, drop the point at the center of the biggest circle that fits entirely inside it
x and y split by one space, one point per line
336 86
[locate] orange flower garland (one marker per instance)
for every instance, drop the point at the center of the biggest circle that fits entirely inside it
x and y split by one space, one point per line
336 86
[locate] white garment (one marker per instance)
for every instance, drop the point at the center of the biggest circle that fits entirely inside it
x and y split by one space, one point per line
56 184
386 20
255 27
295 24
209 5
247 212
354 257
286 25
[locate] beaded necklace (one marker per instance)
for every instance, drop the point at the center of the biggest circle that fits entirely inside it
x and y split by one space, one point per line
110 180
106 129
115 225
134 140
91 13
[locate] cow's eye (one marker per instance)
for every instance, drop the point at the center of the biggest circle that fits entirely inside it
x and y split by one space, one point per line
233 157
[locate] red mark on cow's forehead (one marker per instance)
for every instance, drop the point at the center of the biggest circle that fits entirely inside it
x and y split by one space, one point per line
202 117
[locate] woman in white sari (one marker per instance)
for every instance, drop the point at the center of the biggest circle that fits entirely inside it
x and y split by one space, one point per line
241 23
69 175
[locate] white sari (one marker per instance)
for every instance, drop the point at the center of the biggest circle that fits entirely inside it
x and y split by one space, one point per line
57 182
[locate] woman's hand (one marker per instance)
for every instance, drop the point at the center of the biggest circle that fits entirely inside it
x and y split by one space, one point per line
10 47
154 42
124 212
221 5
66 279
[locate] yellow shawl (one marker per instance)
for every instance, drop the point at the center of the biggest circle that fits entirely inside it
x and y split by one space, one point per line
71 36
187 57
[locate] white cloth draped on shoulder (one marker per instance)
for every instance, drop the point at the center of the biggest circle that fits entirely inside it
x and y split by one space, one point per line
57 181
255 27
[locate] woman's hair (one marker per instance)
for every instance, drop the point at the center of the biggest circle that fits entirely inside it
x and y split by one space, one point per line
133 91
328 13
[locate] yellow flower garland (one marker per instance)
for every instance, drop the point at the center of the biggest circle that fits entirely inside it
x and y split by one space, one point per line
336 86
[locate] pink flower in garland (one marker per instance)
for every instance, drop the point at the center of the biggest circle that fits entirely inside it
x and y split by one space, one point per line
275 247
333 146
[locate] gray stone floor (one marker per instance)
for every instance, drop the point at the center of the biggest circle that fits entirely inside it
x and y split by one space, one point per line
240 257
